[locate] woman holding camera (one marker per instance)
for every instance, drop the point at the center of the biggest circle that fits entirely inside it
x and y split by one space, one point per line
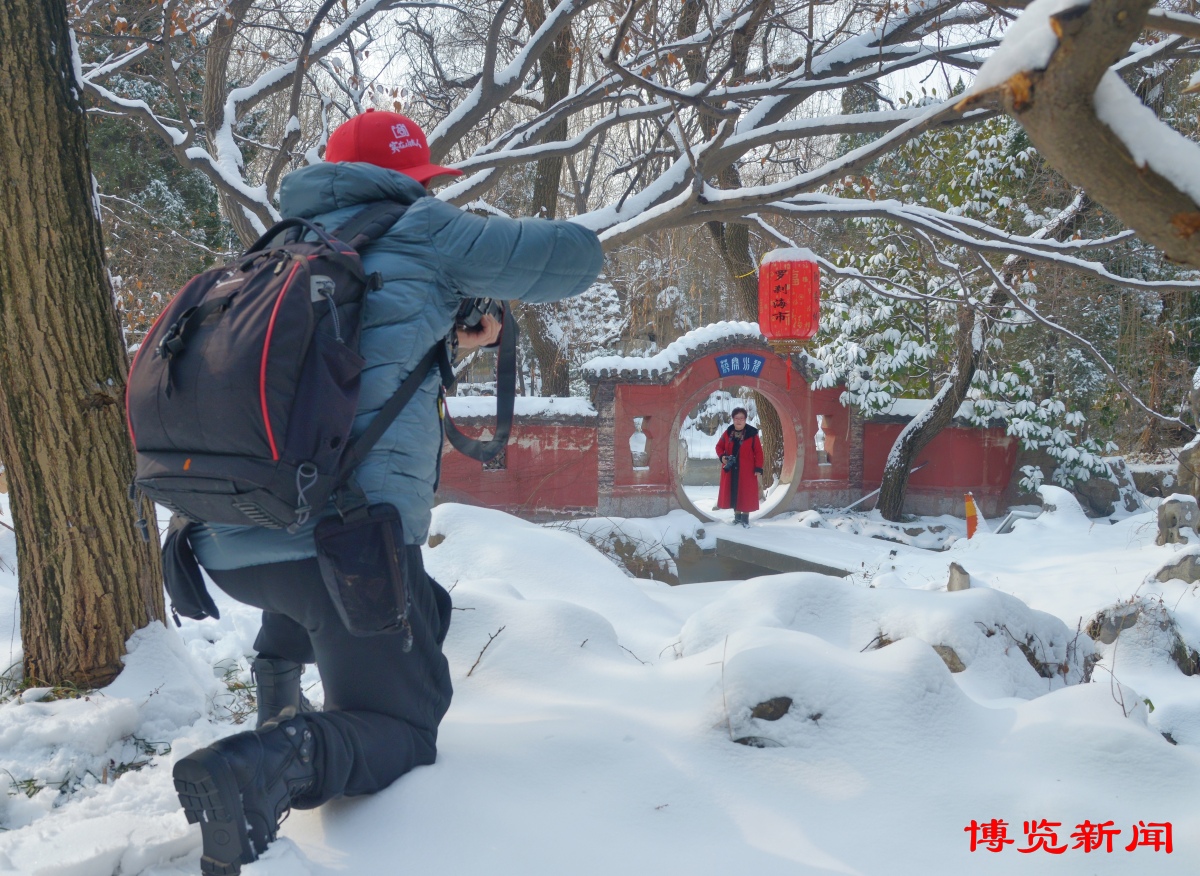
741 455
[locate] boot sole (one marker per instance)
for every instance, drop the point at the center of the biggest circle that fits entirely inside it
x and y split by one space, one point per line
210 797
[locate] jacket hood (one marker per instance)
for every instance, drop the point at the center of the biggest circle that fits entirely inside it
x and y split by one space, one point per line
325 187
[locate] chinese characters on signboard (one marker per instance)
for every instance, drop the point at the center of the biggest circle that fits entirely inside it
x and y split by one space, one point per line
740 364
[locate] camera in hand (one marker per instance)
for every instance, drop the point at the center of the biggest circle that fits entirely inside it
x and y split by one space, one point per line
730 463
472 311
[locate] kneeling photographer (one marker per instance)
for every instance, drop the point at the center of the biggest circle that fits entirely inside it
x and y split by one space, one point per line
385 693
740 451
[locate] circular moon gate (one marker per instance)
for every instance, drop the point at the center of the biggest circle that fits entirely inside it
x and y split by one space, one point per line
793 446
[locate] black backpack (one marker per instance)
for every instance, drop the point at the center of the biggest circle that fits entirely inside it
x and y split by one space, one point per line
241 397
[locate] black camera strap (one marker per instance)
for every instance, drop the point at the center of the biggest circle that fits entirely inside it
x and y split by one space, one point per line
506 390
349 497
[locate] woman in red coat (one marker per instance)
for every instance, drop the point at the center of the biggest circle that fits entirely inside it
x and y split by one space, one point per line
741 455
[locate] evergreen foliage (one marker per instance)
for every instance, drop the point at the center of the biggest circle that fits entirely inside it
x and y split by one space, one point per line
893 335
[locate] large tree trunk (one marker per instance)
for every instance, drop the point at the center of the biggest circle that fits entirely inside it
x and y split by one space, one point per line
968 342
733 240
553 365
87 579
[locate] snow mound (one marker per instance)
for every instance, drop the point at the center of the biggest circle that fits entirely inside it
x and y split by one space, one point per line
996 645
475 549
1141 643
74 744
930 533
542 637
840 699
1063 510
604 709
103 754
642 547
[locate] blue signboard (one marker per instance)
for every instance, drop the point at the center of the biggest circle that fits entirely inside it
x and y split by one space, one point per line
739 364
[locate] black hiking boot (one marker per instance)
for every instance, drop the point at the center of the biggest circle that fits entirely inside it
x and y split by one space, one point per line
277 686
239 788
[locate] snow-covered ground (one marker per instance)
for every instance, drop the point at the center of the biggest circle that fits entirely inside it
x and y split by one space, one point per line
597 733
704 497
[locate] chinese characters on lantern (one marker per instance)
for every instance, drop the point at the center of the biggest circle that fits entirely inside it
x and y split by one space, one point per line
780 287
789 297
1041 835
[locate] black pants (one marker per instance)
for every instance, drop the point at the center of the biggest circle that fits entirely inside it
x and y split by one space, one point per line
382 706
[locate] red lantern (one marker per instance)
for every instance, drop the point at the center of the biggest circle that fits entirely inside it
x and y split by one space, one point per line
789 297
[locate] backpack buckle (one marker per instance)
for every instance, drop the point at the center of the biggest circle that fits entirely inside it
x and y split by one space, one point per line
173 343
350 501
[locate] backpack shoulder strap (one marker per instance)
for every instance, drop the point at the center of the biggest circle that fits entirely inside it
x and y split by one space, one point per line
370 223
362 445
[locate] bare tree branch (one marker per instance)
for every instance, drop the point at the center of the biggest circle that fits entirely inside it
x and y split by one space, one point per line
1165 21
292 131
1082 342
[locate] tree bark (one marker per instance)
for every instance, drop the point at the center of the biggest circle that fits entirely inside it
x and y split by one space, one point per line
87 579
552 362
925 427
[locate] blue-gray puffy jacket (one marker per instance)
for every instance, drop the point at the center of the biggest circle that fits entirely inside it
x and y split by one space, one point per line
432 258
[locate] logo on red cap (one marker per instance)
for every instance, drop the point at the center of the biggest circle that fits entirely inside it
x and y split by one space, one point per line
388 140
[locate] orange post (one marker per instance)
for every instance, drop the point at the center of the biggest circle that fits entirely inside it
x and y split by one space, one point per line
972 515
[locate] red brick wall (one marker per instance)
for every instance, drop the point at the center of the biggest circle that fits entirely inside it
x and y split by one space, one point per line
959 459
553 463
548 466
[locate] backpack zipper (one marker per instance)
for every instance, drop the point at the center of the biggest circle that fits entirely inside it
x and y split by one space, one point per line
337 325
262 370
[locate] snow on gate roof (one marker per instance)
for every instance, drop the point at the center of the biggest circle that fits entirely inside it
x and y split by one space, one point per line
667 360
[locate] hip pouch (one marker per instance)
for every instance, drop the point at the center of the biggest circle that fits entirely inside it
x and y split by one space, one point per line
364 566
181 574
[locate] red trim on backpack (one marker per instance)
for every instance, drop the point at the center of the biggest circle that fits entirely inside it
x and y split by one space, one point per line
133 364
262 371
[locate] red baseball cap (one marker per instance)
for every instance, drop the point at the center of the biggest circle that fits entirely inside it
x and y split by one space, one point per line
387 140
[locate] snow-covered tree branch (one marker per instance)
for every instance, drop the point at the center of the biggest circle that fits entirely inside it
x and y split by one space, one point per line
1054 75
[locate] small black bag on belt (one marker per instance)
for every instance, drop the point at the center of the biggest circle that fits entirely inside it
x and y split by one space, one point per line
184 581
364 564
